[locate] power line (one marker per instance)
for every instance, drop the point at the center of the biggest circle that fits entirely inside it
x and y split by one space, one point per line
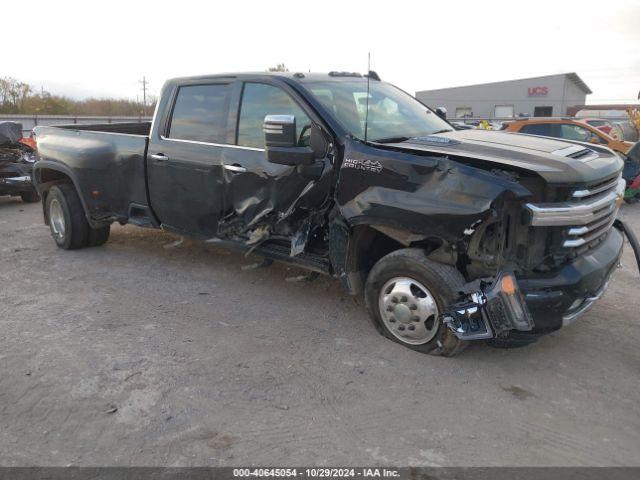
144 94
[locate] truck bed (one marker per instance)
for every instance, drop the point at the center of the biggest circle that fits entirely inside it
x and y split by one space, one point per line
128 128
106 162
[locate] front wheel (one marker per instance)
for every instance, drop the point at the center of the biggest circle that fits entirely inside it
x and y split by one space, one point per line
406 293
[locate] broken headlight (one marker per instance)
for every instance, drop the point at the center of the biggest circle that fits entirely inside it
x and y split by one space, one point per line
495 308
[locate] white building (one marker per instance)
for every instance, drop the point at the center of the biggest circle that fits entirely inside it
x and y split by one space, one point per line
546 96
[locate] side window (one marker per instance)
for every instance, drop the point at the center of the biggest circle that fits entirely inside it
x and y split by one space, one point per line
200 113
543 129
260 100
576 132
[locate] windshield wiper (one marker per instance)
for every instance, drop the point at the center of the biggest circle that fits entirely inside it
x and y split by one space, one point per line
392 139
400 139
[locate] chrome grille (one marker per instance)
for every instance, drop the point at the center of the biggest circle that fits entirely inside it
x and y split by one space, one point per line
589 214
597 188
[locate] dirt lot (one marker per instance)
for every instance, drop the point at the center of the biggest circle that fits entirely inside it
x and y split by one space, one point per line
146 353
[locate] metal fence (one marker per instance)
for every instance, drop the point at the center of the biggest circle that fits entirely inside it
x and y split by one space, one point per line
30 121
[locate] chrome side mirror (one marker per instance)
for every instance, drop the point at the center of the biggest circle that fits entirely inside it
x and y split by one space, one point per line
280 131
282 143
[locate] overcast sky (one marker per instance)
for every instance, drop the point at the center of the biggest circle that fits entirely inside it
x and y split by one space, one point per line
87 48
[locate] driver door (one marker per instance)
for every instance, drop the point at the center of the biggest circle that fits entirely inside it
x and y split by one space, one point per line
260 196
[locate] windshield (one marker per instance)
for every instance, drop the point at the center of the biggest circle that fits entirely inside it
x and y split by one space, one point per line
393 114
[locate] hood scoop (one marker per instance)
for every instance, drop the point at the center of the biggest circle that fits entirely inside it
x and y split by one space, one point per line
577 152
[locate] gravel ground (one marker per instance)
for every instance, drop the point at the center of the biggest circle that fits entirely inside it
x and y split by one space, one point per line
144 352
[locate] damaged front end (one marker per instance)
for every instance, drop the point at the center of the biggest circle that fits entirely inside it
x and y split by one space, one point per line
16 160
489 311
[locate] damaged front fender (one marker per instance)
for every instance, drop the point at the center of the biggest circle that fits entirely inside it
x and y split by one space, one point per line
431 194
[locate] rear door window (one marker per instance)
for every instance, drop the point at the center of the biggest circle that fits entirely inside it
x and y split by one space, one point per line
260 100
576 132
543 129
200 113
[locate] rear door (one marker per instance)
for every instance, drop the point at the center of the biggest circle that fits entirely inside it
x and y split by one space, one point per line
184 159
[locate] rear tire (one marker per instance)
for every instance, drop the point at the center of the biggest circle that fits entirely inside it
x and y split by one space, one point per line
30 196
68 225
405 294
98 236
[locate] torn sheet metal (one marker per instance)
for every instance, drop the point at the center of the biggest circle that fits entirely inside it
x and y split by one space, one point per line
300 239
428 195
270 201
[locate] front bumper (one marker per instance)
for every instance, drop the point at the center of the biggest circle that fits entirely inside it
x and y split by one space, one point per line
558 300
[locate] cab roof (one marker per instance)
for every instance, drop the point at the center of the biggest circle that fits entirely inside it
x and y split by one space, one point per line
302 77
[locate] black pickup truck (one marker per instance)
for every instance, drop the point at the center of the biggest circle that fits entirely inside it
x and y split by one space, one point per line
450 235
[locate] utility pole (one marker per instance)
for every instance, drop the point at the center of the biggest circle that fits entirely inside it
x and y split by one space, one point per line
144 95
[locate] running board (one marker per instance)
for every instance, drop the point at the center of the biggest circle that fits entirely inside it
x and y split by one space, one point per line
280 253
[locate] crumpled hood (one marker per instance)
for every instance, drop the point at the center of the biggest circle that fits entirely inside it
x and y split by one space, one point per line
557 161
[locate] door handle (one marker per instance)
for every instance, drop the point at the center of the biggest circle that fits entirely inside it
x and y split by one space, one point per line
235 168
159 157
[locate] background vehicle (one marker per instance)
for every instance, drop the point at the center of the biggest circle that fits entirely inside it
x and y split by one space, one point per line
632 171
450 235
603 125
16 163
461 125
580 130
623 119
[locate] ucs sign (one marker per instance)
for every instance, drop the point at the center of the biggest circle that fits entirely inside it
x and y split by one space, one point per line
538 91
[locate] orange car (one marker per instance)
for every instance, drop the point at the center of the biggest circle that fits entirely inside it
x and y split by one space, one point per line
577 129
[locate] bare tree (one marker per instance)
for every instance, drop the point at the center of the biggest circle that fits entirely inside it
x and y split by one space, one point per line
13 94
281 67
20 98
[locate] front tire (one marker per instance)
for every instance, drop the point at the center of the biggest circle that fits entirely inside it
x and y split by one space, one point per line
406 293
68 225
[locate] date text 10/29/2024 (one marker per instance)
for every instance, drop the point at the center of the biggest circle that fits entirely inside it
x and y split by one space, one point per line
322 472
